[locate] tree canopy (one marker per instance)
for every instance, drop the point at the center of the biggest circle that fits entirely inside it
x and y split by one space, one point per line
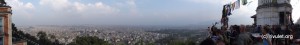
88 40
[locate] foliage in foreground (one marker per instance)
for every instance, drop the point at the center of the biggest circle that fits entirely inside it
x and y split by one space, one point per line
88 40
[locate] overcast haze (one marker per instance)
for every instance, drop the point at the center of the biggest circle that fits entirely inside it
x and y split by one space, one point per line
129 12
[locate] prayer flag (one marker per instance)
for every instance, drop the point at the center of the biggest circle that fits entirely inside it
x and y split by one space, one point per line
237 4
244 2
233 6
228 9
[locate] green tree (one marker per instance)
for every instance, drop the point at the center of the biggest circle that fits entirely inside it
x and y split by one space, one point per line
32 40
20 35
43 39
88 40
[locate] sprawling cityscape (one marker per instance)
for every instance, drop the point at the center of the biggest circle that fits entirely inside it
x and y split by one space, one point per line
149 22
115 34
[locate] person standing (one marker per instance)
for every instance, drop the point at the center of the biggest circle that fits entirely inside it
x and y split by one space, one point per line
266 40
244 38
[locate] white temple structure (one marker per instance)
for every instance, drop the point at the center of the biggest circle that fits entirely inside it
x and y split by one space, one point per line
273 12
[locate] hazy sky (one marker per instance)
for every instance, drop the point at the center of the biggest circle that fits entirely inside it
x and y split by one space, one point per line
129 12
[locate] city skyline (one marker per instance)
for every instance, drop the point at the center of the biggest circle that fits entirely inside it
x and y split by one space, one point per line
130 12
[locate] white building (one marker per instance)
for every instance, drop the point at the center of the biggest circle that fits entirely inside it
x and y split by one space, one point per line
273 12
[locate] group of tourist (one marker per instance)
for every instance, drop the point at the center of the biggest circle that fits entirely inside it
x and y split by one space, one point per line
253 35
